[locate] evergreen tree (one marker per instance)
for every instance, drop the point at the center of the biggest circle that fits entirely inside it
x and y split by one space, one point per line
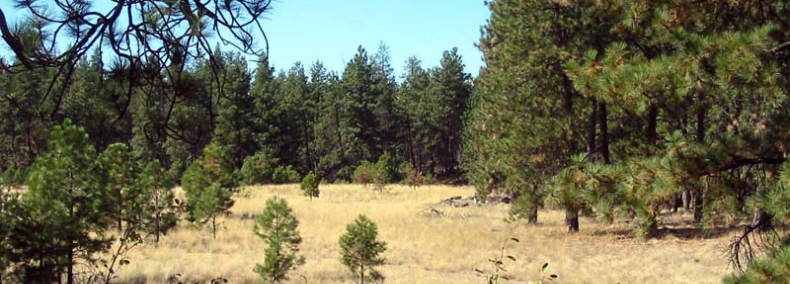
360 250
277 226
65 209
310 185
209 185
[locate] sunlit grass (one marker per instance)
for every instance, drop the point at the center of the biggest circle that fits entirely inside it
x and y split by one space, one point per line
423 248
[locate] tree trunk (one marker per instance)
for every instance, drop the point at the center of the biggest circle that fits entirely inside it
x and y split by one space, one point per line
701 112
410 140
572 221
533 216
591 129
698 200
361 274
214 225
762 220
602 116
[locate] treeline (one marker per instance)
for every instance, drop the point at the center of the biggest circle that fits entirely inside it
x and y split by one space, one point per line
295 121
623 110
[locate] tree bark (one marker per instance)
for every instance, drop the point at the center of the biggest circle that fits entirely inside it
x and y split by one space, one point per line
591 129
603 120
572 221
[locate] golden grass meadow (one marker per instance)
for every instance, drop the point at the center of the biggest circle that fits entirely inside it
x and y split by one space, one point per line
423 248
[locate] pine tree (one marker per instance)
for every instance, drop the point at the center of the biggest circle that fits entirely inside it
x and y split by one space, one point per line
65 208
360 250
209 186
310 185
277 226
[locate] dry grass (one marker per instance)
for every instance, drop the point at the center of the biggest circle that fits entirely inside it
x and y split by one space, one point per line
423 249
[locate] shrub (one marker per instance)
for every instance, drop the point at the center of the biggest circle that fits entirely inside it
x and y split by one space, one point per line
258 169
412 177
360 250
365 173
310 185
13 176
277 226
284 175
387 169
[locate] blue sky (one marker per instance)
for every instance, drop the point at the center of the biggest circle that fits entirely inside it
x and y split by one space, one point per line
330 31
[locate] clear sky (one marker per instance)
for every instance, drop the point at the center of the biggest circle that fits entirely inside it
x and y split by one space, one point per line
331 31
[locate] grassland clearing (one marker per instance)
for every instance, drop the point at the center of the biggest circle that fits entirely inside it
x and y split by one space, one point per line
425 247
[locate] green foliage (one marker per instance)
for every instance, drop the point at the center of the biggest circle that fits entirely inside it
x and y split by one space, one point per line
412 177
387 168
360 250
209 186
310 185
525 207
258 169
366 173
62 217
277 226
160 208
283 174
772 269
122 177
13 176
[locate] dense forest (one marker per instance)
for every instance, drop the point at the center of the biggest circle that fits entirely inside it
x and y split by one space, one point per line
303 118
617 110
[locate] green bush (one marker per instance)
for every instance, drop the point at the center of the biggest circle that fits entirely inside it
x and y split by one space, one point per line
310 185
381 173
13 176
258 169
411 176
365 173
284 175
387 169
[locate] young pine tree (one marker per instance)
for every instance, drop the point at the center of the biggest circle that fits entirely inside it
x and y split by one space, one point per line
310 185
277 226
209 184
360 250
65 209
159 206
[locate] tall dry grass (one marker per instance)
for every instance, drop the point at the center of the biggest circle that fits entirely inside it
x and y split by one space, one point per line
427 249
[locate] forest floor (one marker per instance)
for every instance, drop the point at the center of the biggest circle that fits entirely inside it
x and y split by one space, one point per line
425 247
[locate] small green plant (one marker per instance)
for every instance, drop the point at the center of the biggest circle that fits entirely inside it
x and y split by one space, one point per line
277 226
310 185
283 174
360 250
495 276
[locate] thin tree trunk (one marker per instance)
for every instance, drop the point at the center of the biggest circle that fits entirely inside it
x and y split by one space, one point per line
361 274
603 117
701 113
214 225
591 129
572 221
